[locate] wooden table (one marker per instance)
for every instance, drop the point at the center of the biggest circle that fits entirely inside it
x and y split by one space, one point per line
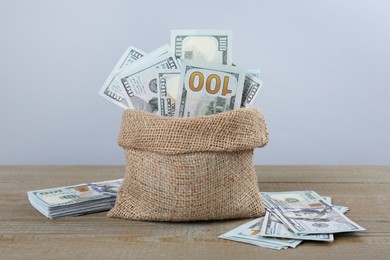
26 234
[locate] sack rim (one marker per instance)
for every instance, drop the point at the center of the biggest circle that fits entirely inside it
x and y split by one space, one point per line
239 129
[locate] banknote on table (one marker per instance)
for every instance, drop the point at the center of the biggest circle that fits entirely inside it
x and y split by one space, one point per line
111 90
207 89
75 200
342 209
252 86
140 82
167 88
250 233
305 212
214 46
272 227
326 199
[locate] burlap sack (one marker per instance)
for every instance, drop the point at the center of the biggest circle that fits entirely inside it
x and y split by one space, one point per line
187 169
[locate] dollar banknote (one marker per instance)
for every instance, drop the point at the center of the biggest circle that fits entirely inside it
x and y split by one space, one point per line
167 88
342 209
140 82
273 227
250 233
253 72
147 58
214 46
111 90
305 212
207 89
75 200
252 86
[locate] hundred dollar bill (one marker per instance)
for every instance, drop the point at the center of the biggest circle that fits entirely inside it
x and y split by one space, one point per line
111 90
214 46
147 58
305 212
342 209
250 233
252 86
167 88
254 72
272 227
207 89
140 82
256 243
328 200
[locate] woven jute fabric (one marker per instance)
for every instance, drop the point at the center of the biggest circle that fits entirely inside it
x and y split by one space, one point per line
188 169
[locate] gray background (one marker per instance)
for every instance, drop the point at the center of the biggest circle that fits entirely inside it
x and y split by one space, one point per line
325 65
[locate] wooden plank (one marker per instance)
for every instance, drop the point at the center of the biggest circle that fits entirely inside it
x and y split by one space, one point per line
321 174
26 234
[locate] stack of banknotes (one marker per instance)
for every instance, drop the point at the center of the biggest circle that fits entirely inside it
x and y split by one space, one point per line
75 200
291 218
192 76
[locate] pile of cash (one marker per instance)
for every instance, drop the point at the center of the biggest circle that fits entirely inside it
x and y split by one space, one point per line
292 217
75 200
192 76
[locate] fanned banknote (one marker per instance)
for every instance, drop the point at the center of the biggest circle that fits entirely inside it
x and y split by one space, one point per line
146 59
305 212
271 232
167 89
207 89
273 227
252 86
111 90
342 209
140 82
250 233
214 46
75 200
254 72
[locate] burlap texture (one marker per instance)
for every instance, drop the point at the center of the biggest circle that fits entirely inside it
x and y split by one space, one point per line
187 169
